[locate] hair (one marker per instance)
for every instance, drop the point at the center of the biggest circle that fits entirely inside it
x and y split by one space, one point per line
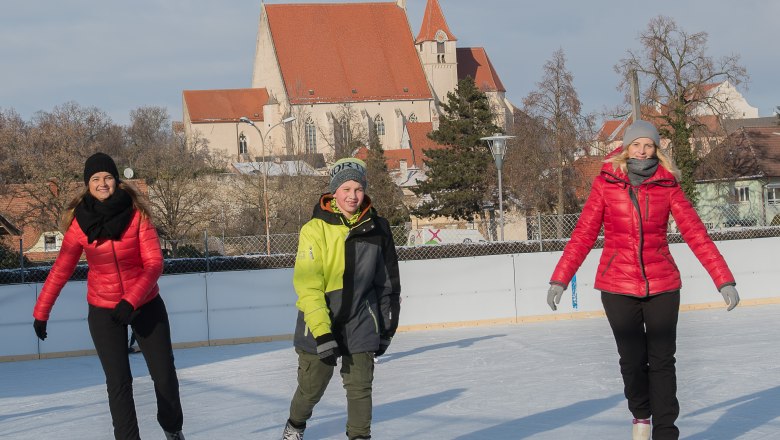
618 161
139 203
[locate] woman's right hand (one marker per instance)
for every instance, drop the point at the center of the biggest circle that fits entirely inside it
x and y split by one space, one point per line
554 295
40 329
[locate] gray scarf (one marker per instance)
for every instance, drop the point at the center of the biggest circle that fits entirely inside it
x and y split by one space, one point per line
640 169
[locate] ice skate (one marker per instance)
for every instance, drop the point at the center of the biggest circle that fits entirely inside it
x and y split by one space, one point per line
292 433
641 430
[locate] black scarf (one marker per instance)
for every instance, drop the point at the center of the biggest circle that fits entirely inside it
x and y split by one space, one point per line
640 169
107 219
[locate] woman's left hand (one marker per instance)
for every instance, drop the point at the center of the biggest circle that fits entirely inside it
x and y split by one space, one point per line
122 313
730 295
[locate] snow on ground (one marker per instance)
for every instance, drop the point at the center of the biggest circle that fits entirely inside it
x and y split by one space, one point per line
549 380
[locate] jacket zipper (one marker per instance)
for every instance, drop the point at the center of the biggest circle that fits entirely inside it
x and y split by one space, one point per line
118 272
371 312
635 202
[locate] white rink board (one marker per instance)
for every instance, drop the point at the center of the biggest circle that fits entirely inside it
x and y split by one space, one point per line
256 304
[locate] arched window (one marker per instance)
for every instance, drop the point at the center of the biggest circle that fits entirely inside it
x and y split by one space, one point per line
311 136
412 118
379 125
242 147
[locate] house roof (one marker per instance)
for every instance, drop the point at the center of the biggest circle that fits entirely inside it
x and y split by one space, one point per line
433 21
228 105
8 228
764 144
346 52
586 169
474 62
420 142
415 155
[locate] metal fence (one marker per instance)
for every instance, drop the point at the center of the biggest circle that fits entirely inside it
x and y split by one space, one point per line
536 233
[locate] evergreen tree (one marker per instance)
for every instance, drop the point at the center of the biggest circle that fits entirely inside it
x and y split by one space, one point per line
385 195
459 177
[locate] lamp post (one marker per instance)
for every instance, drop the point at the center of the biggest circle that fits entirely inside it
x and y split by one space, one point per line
246 120
497 144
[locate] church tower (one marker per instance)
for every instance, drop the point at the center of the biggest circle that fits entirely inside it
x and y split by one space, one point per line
437 49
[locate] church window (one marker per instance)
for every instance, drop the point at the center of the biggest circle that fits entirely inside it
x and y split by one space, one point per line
379 125
242 146
311 136
440 47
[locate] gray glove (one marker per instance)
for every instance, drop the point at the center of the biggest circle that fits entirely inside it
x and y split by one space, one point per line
554 295
730 295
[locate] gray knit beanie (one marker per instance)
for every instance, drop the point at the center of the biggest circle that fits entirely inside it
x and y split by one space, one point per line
641 129
346 169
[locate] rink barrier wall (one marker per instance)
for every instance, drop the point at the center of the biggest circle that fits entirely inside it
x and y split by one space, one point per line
222 308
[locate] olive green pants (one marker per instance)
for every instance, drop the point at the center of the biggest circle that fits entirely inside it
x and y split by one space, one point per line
357 373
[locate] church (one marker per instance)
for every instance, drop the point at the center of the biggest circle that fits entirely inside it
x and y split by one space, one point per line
327 76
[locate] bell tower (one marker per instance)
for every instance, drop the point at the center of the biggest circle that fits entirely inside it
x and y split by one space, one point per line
436 46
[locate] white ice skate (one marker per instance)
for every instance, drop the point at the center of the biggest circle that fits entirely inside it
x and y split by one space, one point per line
641 429
292 433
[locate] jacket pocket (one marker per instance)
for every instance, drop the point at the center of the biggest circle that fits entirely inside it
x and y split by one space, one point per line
665 253
609 263
373 316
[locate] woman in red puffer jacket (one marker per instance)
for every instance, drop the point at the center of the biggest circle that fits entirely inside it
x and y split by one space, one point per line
110 223
633 197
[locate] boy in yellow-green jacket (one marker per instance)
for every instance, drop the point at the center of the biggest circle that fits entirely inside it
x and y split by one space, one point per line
348 287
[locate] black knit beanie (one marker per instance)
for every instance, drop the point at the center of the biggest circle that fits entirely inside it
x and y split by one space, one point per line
100 162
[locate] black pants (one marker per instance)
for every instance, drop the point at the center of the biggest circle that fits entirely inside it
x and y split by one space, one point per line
151 327
645 331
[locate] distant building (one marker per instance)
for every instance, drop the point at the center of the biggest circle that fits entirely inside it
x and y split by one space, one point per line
341 69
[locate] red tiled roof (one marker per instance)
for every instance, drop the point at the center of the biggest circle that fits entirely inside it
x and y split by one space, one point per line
433 21
586 169
414 156
225 105
346 52
419 140
608 128
474 62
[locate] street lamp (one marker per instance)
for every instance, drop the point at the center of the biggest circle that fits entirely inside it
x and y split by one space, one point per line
246 120
497 144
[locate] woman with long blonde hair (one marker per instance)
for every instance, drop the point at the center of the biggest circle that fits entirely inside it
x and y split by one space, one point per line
632 197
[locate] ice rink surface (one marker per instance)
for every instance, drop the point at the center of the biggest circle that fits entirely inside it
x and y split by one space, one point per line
549 380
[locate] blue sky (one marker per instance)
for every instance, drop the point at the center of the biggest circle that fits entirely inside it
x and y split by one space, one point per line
119 56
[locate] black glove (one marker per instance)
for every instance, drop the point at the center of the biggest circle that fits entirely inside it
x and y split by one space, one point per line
40 329
122 312
384 342
327 349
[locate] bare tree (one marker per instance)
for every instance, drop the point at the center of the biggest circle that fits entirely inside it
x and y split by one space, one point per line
675 70
52 157
558 110
346 132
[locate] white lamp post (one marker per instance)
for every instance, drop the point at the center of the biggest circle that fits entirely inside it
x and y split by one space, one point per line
497 144
246 120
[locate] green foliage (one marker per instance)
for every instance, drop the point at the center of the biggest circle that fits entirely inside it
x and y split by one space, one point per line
385 195
459 176
9 259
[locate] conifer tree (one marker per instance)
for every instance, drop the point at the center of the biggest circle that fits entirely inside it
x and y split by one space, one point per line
385 195
459 176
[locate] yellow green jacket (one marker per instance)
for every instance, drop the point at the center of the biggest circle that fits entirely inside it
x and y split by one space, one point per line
346 278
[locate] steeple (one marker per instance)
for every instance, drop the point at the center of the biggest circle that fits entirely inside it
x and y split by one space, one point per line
433 22
438 52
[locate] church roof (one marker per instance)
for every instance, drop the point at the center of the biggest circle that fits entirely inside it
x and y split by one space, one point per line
433 21
474 62
346 52
225 105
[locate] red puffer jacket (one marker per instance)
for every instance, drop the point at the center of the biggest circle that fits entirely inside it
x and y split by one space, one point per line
636 218
127 268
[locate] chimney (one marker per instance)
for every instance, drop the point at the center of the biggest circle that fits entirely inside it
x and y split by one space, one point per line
403 168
